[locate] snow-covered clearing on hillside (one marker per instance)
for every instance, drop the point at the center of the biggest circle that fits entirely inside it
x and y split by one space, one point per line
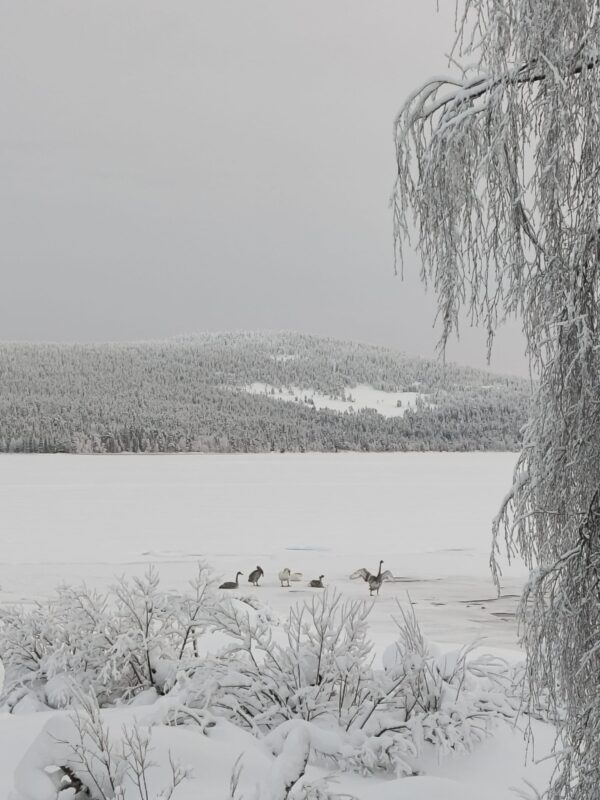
357 398
72 518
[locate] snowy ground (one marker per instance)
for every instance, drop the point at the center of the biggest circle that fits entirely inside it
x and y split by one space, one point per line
388 404
71 518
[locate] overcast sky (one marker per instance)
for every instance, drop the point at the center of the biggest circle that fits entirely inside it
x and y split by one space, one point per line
184 165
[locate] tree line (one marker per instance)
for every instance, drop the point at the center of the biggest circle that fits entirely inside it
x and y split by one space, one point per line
187 395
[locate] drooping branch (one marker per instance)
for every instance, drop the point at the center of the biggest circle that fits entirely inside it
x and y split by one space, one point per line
468 91
498 175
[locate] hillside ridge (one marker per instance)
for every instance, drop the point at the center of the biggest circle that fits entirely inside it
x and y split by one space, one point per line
191 393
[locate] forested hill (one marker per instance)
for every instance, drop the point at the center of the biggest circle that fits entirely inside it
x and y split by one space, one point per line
248 392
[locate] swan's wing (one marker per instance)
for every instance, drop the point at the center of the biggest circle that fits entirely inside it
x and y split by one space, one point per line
387 576
361 573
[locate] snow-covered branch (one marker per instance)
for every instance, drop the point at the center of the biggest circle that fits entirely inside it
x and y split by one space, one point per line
500 177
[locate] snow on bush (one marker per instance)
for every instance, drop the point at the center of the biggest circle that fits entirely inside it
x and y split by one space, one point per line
307 691
449 699
117 644
80 755
321 676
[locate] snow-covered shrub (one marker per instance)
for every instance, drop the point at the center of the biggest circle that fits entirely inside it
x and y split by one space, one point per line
308 690
80 755
447 699
290 745
132 638
318 667
320 675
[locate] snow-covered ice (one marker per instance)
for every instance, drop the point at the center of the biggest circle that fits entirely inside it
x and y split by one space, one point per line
428 515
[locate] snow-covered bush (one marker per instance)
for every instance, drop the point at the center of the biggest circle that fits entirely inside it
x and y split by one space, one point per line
319 666
306 692
447 699
80 755
320 675
133 637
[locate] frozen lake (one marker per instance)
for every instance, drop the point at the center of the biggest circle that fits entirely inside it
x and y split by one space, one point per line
428 515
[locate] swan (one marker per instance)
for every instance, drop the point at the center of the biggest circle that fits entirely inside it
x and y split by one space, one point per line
284 576
370 578
255 575
375 581
231 584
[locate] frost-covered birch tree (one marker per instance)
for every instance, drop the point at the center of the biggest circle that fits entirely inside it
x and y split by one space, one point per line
499 174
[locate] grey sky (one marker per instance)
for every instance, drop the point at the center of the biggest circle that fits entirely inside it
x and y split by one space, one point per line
186 165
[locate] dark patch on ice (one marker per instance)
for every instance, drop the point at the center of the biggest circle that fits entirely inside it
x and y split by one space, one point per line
505 616
117 564
310 547
169 554
490 599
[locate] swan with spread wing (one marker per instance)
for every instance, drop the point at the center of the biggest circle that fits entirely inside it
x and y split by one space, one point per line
375 581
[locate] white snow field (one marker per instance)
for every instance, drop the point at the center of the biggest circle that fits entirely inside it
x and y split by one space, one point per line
73 518
362 396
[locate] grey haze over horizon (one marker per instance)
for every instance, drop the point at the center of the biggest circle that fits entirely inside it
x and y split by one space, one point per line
191 166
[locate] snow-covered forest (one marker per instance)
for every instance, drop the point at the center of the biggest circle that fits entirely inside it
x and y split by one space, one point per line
191 395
